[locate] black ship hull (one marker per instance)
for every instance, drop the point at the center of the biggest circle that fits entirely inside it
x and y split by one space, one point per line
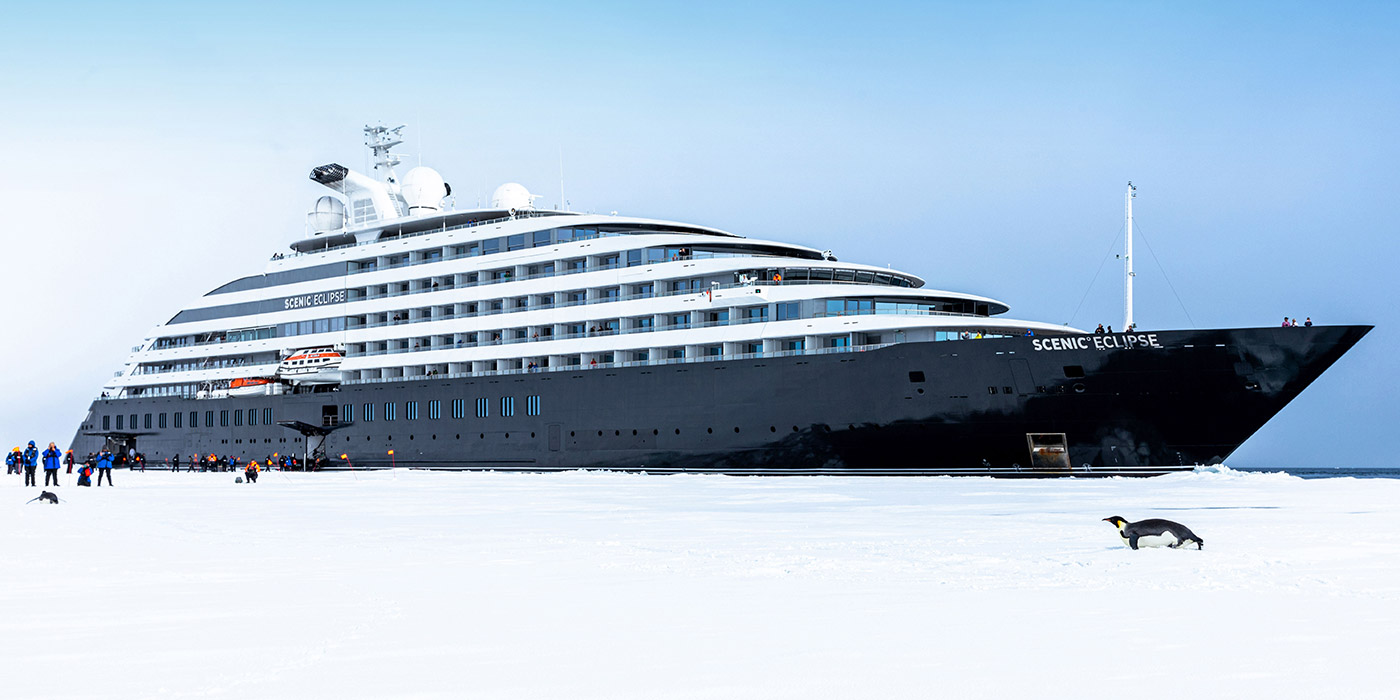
1096 405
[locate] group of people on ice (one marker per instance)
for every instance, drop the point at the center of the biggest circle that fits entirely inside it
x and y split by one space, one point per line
29 459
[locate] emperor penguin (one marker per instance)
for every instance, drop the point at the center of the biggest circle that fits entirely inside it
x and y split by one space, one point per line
1155 533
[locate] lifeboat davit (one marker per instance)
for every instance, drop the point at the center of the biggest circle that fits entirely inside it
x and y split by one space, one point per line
312 366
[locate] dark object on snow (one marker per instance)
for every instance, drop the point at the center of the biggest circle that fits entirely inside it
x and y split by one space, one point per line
237 479
47 497
1155 533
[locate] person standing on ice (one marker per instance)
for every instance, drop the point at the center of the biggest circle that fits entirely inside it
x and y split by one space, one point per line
51 463
30 459
68 457
104 466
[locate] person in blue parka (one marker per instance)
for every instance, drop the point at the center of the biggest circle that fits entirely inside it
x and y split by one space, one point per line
52 457
104 466
30 460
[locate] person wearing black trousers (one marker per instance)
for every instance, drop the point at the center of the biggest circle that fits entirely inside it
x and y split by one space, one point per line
104 466
30 459
51 463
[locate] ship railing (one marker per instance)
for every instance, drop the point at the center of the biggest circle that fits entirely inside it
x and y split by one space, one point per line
629 331
412 234
629 363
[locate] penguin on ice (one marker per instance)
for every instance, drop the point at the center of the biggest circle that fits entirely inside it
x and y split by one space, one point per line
1155 533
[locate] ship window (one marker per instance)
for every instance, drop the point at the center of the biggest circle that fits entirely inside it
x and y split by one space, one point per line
252 416
303 327
787 311
515 242
542 238
490 246
194 419
507 406
208 419
532 405
347 413
146 422
410 410
434 409
237 418
161 421
267 416
121 422
991 390
459 408
223 418
390 410
179 420
1074 371
369 413
916 377
483 408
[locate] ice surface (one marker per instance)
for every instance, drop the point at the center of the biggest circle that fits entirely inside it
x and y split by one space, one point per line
603 585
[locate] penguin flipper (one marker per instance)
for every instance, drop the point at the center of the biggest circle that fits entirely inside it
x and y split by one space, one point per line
1132 541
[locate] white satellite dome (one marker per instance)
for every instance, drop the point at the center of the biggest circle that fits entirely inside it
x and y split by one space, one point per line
513 195
327 215
422 190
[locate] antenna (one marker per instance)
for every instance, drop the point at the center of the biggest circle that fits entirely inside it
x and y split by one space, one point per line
563 203
1128 273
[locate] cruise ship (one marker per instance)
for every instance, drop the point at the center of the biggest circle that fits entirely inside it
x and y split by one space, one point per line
399 330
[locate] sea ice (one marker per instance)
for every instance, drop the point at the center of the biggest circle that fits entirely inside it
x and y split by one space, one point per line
610 585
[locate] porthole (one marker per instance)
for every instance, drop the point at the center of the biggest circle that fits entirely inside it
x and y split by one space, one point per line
391 437
410 437
483 436
434 437
710 430
772 428
507 436
532 434
459 436
654 431
1078 387
678 431
634 432
794 428
617 433
571 433
736 428
366 438
851 426
600 433
920 390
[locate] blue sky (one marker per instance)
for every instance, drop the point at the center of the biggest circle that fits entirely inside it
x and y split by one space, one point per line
156 150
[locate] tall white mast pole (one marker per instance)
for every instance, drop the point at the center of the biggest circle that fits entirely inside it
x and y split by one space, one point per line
1128 260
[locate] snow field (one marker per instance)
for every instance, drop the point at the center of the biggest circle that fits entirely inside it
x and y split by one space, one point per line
606 585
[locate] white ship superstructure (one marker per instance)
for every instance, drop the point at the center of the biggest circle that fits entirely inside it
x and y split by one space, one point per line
405 287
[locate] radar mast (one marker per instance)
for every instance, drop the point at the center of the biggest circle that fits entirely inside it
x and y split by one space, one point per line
380 139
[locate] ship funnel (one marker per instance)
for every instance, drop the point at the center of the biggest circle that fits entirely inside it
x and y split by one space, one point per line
370 199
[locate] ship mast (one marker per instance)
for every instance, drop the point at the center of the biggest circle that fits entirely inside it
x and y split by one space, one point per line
1128 273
